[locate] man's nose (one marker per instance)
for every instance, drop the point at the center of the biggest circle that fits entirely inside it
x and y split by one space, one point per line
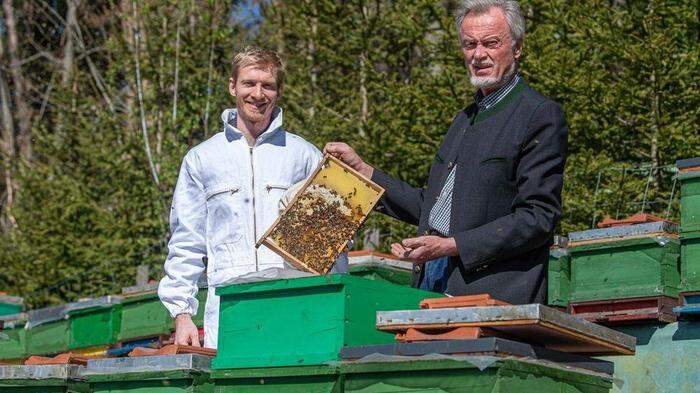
479 52
257 91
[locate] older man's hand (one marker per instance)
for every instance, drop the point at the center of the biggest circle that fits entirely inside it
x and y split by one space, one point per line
347 154
422 249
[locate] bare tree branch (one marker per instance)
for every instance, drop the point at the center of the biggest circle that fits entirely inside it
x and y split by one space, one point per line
177 68
8 149
23 111
69 46
139 91
209 76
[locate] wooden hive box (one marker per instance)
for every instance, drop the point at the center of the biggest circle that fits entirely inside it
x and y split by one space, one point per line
624 262
689 178
322 217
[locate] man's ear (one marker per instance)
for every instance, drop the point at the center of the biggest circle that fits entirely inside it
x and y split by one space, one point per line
232 86
518 50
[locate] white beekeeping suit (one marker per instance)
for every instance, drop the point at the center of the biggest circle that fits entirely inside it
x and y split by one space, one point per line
227 195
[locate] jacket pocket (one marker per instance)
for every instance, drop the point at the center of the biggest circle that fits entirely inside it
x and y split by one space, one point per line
492 160
224 216
227 265
276 187
219 190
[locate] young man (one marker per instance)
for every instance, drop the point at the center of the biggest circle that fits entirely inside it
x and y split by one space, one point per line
227 194
493 196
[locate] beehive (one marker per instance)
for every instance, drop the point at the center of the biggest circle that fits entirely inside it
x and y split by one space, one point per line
323 216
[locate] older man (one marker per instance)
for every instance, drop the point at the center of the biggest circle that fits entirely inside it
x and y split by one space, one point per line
493 196
227 194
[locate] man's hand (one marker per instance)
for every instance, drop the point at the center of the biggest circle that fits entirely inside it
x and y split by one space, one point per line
186 332
346 154
422 249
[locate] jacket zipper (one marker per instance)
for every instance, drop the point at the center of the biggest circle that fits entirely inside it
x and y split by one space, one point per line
277 186
231 190
255 229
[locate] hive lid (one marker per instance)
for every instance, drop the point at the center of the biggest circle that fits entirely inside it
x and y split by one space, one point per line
186 362
539 324
560 241
54 371
626 231
44 315
377 259
687 163
99 302
7 299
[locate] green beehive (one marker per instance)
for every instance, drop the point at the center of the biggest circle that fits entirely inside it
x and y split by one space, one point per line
690 194
476 374
12 336
10 305
291 379
202 298
468 374
94 322
62 378
690 261
304 321
558 273
626 268
48 331
143 315
381 267
151 374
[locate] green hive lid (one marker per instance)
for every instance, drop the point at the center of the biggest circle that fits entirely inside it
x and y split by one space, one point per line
625 231
688 163
52 371
182 362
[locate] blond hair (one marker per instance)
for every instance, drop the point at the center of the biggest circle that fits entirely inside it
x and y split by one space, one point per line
256 56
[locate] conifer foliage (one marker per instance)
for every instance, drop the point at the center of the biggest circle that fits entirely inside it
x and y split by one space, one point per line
100 101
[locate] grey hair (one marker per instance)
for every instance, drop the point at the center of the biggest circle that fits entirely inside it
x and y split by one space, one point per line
510 8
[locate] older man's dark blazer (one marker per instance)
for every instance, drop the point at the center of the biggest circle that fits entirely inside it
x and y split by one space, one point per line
506 200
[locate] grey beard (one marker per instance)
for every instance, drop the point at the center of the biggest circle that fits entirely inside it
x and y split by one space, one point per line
491 82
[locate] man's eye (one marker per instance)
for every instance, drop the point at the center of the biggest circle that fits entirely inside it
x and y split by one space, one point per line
470 45
492 44
269 87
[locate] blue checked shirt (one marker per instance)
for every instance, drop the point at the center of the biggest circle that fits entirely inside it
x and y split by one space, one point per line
439 219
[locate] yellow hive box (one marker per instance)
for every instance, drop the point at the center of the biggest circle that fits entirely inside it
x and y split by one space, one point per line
323 216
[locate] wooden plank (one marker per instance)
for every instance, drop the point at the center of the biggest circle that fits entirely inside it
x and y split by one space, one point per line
441 326
586 338
620 311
